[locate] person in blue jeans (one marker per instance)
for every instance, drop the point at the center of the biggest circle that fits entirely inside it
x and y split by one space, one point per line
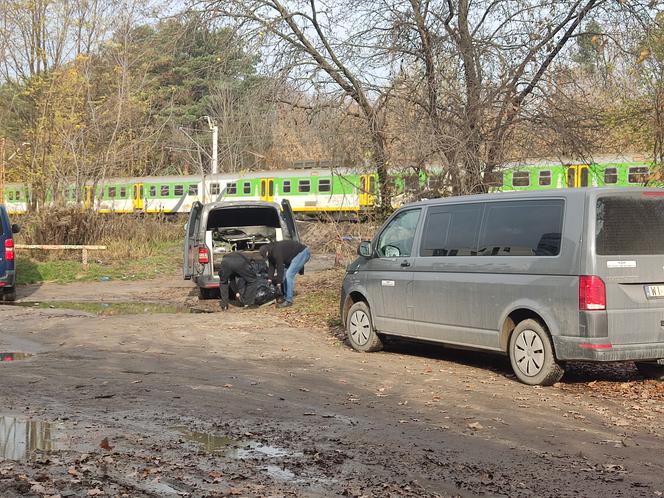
286 259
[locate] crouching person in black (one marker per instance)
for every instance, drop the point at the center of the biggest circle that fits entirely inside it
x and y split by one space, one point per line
247 279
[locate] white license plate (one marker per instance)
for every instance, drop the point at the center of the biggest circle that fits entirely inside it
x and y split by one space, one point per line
654 291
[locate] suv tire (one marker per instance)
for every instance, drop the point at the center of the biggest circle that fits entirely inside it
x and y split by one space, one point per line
9 294
360 331
532 356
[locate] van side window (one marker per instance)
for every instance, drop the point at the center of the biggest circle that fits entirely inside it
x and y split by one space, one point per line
522 228
451 231
397 238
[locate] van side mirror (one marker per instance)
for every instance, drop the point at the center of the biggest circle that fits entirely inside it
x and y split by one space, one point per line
16 228
365 249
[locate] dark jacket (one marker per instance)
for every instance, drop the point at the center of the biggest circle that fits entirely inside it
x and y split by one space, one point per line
245 275
279 256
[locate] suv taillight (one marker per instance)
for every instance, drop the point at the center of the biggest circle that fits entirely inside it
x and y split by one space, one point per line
9 250
203 257
592 293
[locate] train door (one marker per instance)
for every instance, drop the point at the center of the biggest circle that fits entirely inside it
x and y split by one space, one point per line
578 176
267 189
88 197
367 190
138 197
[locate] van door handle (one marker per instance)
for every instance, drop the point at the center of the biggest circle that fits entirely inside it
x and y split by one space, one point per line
405 263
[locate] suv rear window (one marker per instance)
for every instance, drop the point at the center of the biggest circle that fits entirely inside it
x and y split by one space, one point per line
630 225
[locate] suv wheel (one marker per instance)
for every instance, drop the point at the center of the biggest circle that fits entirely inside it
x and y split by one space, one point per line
360 331
531 355
650 370
9 294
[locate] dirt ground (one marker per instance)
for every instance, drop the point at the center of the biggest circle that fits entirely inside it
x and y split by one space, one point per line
268 403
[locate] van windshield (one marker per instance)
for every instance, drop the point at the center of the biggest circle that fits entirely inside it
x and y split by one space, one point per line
630 224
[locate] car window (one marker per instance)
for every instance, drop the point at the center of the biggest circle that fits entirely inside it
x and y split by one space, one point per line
451 231
522 228
397 238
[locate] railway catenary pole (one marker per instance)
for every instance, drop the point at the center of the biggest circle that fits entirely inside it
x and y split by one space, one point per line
215 145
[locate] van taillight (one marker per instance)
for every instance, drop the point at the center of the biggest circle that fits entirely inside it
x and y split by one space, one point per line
203 257
592 293
9 250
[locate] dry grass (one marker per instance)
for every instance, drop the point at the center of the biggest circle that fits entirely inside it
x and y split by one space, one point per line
126 236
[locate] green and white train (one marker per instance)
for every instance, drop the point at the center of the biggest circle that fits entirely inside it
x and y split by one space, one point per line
311 191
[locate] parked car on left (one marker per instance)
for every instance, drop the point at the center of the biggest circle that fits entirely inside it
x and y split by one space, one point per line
7 257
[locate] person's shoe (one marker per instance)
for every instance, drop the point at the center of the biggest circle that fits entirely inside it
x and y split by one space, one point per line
285 304
223 305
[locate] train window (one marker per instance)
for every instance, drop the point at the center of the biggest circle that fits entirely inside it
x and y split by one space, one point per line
153 191
545 178
193 189
412 182
324 185
638 174
304 186
285 187
247 188
178 190
521 179
372 185
111 192
231 188
214 189
165 190
18 195
10 195
123 192
610 175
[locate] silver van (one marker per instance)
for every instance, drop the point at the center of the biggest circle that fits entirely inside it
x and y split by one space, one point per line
219 228
546 277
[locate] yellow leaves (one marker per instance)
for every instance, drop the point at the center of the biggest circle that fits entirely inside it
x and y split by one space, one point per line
643 55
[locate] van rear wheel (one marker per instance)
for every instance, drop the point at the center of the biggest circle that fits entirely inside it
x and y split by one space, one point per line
531 355
650 370
9 294
360 331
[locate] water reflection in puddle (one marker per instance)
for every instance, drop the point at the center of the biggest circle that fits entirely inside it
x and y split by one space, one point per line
14 356
20 436
239 450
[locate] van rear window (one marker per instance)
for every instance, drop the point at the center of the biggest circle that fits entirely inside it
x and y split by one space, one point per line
629 225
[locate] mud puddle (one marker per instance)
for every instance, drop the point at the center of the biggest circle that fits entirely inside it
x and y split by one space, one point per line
114 308
230 448
15 356
22 436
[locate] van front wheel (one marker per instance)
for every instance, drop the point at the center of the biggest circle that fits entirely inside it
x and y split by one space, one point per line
531 355
360 331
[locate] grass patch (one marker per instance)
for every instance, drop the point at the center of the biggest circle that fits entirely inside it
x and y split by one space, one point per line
162 258
109 309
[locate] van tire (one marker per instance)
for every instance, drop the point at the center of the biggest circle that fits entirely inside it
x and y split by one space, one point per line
205 294
530 347
360 330
650 370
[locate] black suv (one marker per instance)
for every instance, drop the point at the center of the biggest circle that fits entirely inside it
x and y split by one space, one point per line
7 257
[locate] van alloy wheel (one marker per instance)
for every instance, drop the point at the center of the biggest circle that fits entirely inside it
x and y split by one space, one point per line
359 329
532 356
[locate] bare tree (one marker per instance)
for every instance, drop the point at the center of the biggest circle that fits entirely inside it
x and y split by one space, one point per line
307 43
